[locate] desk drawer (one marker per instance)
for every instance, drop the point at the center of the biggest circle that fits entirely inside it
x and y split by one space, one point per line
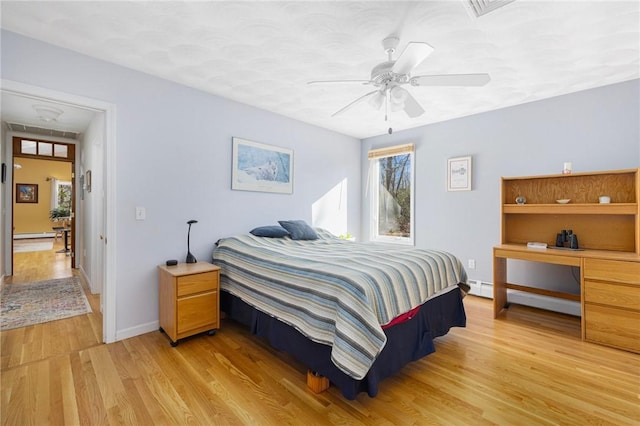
616 295
612 271
612 327
197 283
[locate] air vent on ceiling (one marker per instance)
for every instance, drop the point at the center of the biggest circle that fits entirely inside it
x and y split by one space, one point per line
42 131
482 7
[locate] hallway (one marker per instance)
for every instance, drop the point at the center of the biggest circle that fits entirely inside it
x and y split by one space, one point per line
24 345
40 265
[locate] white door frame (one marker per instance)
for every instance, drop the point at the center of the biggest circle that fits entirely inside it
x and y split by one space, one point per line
108 296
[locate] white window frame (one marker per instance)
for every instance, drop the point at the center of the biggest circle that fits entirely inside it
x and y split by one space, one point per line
374 165
56 197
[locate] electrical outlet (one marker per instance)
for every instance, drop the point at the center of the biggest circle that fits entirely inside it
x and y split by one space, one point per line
471 263
141 213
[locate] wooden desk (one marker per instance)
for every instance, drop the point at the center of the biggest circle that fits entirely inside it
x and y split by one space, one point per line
609 295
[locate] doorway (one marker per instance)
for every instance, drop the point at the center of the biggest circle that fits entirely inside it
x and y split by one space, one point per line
105 133
44 202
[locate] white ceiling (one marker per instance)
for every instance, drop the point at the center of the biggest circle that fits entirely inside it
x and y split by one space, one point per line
18 110
263 53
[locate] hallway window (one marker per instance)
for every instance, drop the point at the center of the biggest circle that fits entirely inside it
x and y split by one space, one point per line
27 147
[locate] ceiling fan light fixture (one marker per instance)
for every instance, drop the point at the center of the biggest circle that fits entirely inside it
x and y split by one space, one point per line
398 95
377 100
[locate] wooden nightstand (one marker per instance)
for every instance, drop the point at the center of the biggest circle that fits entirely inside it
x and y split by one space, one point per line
189 299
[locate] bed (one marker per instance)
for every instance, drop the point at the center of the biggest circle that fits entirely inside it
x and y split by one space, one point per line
352 312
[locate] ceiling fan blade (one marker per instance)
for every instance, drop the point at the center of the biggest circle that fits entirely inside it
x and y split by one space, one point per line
412 107
450 80
411 56
360 99
339 81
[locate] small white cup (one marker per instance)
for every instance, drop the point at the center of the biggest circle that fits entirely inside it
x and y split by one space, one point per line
604 199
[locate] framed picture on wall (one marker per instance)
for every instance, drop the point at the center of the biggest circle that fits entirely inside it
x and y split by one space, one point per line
459 174
87 180
260 167
26 193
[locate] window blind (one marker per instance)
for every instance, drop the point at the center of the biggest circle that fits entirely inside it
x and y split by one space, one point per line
391 151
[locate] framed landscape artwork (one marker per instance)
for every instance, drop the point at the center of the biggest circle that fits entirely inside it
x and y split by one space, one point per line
26 193
260 167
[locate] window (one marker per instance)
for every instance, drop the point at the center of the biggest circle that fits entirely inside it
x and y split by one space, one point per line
29 147
63 196
392 195
53 150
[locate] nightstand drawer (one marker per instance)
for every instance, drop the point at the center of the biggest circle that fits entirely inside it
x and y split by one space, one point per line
198 311
197 283
617 295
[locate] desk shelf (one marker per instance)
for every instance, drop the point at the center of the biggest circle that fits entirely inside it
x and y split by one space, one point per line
582 208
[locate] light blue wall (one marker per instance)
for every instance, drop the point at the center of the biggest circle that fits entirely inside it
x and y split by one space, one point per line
173 157
596 129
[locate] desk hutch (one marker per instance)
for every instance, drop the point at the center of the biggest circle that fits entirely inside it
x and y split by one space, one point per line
609 240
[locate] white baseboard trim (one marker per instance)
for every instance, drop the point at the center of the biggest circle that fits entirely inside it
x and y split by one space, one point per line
569 307
137 330
86 277
554 304
482 289
34 235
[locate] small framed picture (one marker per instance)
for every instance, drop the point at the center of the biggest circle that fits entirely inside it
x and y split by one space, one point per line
459 174
87 180
26 193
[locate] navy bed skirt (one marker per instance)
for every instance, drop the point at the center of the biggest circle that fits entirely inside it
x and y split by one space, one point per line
406 342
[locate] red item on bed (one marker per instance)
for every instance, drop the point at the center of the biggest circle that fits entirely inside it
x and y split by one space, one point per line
402 317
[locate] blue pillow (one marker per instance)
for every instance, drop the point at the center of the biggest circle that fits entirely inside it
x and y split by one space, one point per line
273 231
299 230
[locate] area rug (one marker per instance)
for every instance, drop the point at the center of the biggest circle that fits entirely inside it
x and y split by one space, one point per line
22 246
42 301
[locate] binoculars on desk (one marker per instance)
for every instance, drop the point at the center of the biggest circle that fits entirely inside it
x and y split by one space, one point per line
566 238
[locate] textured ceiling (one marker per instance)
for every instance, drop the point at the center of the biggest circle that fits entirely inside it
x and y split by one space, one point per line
264 53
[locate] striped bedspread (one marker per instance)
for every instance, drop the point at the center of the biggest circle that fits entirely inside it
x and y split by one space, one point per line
335 292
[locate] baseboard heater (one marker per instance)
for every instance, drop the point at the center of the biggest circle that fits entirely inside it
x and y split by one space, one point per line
485 289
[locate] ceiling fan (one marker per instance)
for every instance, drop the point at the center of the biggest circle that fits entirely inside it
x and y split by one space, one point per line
389 77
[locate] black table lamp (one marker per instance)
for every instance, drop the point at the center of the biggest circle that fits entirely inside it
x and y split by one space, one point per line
190 258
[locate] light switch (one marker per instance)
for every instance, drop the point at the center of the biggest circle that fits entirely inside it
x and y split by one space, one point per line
141 213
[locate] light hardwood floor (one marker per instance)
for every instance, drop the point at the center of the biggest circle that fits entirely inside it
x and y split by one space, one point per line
529 367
